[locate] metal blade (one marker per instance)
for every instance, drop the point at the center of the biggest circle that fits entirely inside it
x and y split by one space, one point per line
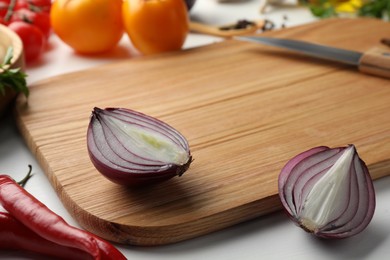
311 49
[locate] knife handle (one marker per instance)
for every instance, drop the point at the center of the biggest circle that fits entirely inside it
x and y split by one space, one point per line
376 61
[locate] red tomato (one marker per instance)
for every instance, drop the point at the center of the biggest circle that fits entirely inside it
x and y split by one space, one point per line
34 5
32 38
156 26
4 7
21 4
40 19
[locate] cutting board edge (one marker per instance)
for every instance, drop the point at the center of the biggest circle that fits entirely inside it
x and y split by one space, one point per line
165 234
178 232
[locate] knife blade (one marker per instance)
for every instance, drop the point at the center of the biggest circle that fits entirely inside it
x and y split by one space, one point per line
375 61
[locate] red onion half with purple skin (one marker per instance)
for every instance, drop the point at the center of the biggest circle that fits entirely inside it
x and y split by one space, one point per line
328 191
132 148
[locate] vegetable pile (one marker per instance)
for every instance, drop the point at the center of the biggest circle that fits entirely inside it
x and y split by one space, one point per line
335 8
29 225
92 27
30 19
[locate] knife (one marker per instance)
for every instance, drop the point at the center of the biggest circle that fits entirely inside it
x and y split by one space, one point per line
375 61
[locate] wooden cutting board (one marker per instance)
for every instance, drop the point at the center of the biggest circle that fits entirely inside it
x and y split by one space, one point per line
245 109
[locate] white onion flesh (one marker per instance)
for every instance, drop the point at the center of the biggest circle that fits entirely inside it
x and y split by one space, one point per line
132 148
328 192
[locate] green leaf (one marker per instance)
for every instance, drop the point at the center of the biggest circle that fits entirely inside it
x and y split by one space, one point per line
375 8
2 89
323 12
16 70
14 79
320 8
8 56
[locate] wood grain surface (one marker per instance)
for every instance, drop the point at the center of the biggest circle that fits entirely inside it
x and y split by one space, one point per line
245 109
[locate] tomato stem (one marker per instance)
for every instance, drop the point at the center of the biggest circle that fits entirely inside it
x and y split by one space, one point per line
10 10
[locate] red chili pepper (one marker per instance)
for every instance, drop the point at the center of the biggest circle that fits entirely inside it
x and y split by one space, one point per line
16 236
44 222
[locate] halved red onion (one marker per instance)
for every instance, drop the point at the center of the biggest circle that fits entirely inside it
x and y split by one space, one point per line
132 148
328 192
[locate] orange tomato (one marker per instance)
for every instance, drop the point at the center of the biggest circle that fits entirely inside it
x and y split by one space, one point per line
88 26
156 26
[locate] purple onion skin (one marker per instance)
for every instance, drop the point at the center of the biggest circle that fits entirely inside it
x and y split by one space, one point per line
299 177
125 176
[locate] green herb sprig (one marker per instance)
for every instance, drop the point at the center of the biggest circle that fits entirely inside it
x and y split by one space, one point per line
14 79
376 8
321 8
366 8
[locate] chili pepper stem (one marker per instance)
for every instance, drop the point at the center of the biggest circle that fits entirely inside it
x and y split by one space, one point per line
26 178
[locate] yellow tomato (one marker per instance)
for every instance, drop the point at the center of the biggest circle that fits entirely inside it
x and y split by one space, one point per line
156 25
88 26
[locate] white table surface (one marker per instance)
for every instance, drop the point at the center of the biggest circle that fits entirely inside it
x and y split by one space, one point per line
270 237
